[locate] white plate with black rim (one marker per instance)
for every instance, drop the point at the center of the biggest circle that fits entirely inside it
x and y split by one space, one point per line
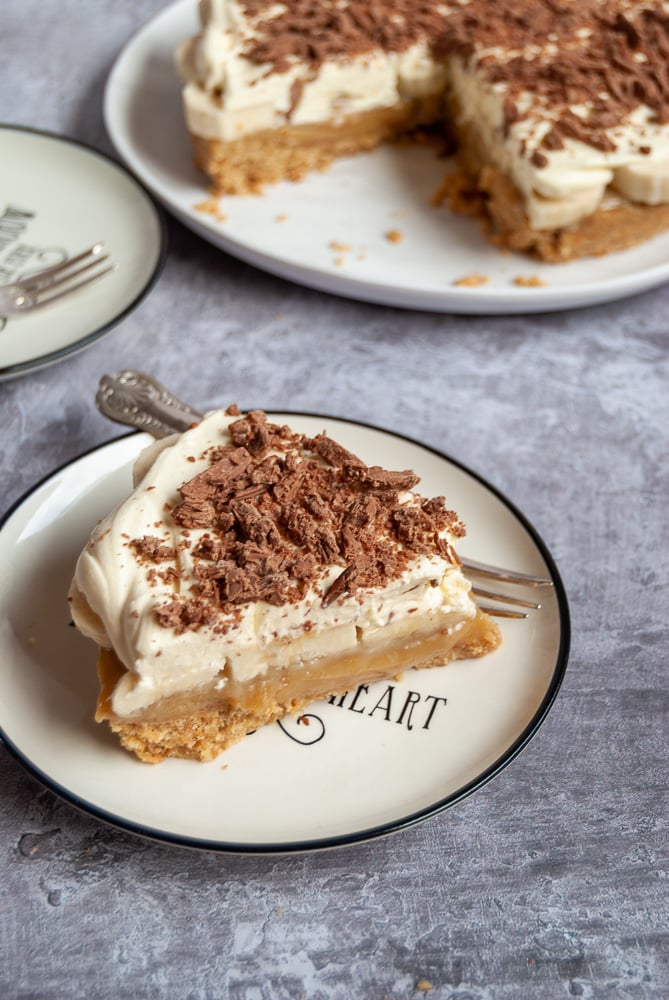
60 196
331 231
357 767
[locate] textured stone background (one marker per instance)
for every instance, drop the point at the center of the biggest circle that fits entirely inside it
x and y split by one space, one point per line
552 880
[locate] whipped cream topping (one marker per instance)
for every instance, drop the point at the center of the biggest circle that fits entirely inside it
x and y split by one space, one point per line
563 185
235 87
170 579
568 99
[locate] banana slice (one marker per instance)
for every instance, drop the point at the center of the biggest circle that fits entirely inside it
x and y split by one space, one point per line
553 213
561 182
646 181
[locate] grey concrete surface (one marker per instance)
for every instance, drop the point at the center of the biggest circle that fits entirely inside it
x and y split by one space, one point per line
551 881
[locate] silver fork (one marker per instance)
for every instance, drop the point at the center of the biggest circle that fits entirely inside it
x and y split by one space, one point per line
132 398
53 283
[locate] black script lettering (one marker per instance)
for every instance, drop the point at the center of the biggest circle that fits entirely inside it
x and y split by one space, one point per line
20 255
294 728
13 221
384 703
412 700
12 213
339 702
436 700
352 708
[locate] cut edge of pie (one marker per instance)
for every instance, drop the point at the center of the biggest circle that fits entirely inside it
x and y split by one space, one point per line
201 724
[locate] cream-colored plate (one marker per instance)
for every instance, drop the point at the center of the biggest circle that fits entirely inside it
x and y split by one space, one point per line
372 763
330 230
58 198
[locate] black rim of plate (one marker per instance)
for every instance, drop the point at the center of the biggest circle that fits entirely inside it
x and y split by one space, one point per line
52 357
356 836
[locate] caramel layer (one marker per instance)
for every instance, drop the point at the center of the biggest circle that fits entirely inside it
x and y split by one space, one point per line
203 723
246 165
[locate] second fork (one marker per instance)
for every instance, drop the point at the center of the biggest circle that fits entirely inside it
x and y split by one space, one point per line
54 283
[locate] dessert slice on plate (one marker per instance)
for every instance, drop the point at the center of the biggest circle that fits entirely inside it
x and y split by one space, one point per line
254 569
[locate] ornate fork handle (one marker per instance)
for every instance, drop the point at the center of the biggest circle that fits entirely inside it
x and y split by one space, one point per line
133 398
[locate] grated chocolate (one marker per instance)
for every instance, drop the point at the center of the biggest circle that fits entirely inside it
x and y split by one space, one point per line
277 510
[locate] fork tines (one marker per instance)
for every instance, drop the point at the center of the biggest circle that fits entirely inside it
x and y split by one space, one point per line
471 567
518 602
55 282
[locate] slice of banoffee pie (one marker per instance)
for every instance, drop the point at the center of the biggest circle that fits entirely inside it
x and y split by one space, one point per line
255 569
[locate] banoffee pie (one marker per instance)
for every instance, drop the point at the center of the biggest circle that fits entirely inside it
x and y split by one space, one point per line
254 569
558 110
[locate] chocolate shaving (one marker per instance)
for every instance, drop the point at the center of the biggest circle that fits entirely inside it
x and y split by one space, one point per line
250 491
254 525
552 140
332 452
185 615
296 89
376 478
153 549
251 432
343 585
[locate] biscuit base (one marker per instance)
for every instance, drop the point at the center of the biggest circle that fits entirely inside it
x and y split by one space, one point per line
200 725
489 195
247 165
